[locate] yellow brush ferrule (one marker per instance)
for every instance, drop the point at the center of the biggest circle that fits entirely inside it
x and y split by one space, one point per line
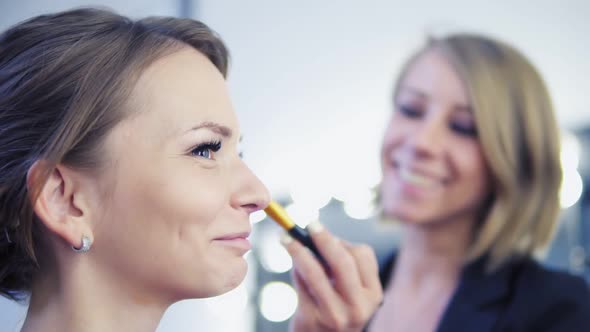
278 214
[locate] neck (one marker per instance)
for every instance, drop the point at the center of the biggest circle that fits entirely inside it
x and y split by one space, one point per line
76 300
433 253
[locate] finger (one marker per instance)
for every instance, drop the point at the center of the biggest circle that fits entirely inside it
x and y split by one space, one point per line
343 267
306 301
366 261
320 317
313 277
360 312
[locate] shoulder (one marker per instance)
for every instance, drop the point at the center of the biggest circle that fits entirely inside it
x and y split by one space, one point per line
552 284
550 299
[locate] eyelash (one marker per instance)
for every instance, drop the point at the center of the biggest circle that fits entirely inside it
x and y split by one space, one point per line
413 113
409 111
210 147
462 130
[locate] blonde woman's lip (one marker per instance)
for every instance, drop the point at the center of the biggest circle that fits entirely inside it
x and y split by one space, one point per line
416 178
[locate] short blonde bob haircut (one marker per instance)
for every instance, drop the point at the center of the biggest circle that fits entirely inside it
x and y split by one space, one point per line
519 136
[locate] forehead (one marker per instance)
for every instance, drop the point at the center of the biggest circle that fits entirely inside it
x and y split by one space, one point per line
432 74
182 89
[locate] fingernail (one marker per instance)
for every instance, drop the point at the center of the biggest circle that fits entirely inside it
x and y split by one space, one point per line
315 227
286 239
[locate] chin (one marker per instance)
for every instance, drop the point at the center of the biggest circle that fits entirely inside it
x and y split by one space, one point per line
231 275
404 216
216 280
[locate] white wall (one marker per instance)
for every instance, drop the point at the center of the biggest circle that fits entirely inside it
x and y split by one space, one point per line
12 12
311 79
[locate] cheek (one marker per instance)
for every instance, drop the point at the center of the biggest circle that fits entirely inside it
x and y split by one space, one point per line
473 170
154 223
396 125
165 203
195 194
183 206
394 134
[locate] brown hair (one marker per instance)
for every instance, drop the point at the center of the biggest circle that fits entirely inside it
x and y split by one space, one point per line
63 80
519 136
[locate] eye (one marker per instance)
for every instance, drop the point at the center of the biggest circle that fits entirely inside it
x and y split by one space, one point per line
464 129
206 150
410 111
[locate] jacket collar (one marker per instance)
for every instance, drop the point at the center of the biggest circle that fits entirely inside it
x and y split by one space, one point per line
472 307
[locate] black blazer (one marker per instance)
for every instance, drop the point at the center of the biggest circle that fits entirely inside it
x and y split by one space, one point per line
521 296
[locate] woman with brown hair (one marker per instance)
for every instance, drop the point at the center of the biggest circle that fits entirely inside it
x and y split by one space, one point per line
121 186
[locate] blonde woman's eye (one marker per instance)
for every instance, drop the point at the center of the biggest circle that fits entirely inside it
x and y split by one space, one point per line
410 111
465 130
206 150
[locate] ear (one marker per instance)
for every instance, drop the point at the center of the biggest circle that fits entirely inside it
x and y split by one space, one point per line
61 204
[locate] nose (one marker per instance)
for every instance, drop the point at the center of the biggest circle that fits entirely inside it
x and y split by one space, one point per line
250 194
428 137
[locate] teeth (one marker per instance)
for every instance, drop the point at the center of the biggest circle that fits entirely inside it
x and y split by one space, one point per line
414 178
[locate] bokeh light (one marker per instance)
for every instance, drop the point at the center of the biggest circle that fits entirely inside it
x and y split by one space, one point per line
302 215
273 256
571 188
572 185
278 301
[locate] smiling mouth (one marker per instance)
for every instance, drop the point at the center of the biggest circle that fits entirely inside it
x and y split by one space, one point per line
415 179
237 241
242 235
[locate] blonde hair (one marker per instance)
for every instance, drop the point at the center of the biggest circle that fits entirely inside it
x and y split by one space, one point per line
519 136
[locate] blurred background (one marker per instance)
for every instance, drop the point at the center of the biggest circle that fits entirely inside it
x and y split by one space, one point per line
311 84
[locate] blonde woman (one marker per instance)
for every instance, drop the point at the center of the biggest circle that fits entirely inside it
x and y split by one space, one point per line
471 170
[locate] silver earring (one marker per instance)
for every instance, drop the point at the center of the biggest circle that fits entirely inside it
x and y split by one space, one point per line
86 244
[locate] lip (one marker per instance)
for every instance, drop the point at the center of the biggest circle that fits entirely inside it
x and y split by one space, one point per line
408 188
233 236
397 163
238 241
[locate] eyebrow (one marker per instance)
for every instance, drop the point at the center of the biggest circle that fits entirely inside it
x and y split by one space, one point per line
224 131
413 91
462 108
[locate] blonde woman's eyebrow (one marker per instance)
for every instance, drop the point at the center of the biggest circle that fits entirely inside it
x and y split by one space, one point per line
414 91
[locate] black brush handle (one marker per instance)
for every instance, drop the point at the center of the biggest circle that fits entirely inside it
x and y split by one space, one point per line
304 238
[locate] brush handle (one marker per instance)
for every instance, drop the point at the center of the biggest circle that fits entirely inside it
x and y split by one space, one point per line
303 236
